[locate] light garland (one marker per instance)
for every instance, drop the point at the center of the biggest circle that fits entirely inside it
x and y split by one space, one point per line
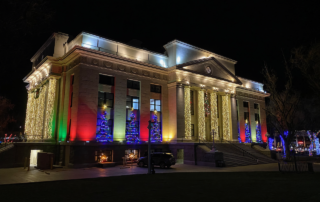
40 112
187 112
258 133
206 104
226 116
270 143
50 109
132 130
201 116
156 135
104 134
214 114
247 132
29 114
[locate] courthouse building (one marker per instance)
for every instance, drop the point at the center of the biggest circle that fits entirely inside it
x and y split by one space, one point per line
91 95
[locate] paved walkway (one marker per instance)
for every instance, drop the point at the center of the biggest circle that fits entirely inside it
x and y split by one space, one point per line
19 175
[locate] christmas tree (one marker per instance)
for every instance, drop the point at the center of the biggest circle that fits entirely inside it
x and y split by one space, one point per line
258 133
132 130
155 130
206 104
104 134
247 132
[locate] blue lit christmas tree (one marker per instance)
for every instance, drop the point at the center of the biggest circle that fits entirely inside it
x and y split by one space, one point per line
104 134
132 130
247 132
155 130
258 133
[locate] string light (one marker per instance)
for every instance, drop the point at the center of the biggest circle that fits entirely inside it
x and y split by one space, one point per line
201 115
258 133
156 135
104 134
50 109
206 104
271 143
226 116
214 114
132 130
247 132
187 112
40 112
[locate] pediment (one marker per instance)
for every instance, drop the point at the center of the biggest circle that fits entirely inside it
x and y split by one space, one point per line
210 67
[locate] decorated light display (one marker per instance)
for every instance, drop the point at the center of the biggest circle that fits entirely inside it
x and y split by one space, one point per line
201 116
214 114
283 145
132 130
317 146
312 137
187 112
247 132
103 158
104 134
226 115
155 130
206 104
258 133
50 109
270 143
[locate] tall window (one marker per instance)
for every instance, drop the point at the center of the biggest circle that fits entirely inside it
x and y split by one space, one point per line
132 103
106 80
155 88
155 105
256 106
105 99
133 84
246 116
246 104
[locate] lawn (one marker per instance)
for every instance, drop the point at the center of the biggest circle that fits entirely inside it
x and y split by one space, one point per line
254 186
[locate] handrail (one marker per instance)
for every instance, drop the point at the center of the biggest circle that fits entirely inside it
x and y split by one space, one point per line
243 151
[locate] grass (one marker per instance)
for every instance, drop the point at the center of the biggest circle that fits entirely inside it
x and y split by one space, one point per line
254 186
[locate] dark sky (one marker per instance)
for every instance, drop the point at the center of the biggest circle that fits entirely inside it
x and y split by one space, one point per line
252 33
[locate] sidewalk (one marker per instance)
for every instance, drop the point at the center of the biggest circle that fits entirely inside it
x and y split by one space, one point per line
19 175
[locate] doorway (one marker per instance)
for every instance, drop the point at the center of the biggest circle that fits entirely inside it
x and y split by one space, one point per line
180 156
34 157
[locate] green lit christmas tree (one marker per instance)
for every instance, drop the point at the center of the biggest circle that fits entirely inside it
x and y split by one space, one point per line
132 130
156 135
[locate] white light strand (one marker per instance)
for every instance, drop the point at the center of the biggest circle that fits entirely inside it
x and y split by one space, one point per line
214 115
187 112
226 116
29 113
201 116
40 113
50 109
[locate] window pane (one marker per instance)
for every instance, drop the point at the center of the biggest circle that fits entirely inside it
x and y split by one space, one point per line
135 105
158 108
158 102
151 107
135 100
151 101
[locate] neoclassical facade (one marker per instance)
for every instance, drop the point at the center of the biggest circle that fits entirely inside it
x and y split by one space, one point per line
92 89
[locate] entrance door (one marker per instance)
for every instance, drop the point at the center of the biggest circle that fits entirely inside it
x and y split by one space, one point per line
34 157
180 156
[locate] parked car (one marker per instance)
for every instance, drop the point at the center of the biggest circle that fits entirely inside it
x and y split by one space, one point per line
161 159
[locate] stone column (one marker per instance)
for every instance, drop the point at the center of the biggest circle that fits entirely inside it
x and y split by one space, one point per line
172 106
214 114
234 118
253 124
120 97
226 117
187 112
201 116
180 112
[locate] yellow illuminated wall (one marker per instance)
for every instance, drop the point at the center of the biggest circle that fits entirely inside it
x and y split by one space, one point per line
50 109
201 116
187 112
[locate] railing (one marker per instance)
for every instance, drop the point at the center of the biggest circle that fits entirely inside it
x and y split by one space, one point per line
292 167
208 144
244 152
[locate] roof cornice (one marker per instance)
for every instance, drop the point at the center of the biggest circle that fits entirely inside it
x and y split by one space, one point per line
199 49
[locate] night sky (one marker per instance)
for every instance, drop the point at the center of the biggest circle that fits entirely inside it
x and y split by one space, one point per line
251 33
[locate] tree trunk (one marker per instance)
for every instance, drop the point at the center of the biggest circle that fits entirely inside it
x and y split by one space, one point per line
287 145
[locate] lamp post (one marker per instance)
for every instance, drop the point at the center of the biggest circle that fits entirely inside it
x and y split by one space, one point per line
149 148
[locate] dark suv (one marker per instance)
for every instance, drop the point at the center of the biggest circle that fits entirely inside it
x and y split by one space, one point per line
161 159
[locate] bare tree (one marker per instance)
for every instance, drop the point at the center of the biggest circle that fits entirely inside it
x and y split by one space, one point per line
5 112
307 60
283 108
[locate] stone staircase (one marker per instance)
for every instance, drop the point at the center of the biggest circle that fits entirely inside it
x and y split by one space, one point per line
237 154
4 147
